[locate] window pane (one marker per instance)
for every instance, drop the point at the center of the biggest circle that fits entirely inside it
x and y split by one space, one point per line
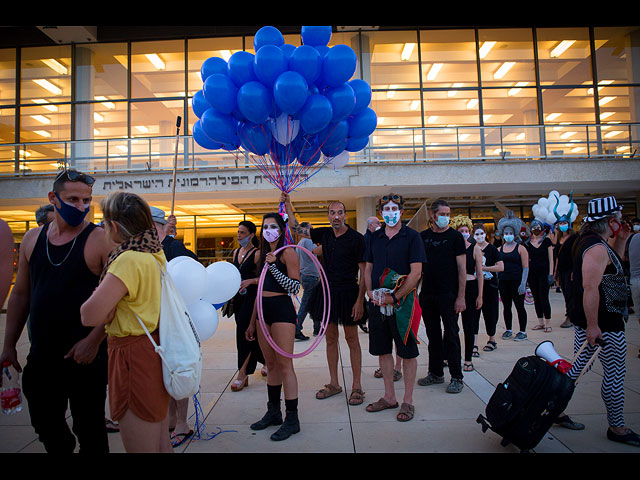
394 59
561 106
202 49
448 58
101 72
564 55
7 76
397 108
157 69
506 57
442 108
152 119
512 106
619 104
46 74
45 123
7 125
101 120
618 54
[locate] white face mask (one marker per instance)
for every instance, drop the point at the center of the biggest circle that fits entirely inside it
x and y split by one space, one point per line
391 217
480 237
271 234
636 228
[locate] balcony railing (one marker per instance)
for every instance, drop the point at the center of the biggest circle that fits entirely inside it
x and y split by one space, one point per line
434 144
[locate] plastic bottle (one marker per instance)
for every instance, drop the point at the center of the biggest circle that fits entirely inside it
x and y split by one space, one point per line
10 393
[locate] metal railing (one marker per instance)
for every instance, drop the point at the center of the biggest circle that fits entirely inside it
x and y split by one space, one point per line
432 144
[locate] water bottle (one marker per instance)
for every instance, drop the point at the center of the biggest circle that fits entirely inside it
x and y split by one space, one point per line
10 393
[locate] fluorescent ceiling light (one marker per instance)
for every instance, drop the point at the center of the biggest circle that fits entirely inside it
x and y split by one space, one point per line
613 134
122 148
567 134
453 93
55 65
605 115
41 119
226 54
101 98
517 88
43 133
97 117
432 119
392 91
44 103
47 85
552 116
472 103
433 71
561 48
142 128
486 48
415 105
605 100
155 59
407 50
96 132
502 71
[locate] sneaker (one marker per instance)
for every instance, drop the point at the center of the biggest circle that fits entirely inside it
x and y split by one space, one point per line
430 379
455 386
520 336
630 437
507 334
301 337
566 422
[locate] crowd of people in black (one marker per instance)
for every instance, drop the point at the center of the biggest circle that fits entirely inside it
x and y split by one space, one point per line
82 289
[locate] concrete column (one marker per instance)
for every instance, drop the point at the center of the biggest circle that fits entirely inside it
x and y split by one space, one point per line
365 208
82 153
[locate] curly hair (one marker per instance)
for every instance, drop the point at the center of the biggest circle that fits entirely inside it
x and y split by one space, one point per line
509 221
461 221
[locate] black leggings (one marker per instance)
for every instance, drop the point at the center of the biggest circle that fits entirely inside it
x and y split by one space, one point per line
509 294
539 286
470 318
489 310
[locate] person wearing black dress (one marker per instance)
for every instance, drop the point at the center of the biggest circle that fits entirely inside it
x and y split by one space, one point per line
541 268
245 259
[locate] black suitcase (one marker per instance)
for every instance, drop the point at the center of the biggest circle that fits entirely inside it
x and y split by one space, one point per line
525 405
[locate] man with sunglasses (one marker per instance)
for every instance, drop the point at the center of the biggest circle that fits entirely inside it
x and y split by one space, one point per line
59 267
342 260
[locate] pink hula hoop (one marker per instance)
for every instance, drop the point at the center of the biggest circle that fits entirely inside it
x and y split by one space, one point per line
327 306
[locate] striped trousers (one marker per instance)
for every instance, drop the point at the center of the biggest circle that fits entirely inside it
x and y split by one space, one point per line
613 360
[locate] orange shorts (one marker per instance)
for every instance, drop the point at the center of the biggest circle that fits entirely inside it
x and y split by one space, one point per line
135 379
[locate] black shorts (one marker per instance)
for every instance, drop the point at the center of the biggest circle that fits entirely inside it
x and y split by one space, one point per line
278 309
383 333
343 298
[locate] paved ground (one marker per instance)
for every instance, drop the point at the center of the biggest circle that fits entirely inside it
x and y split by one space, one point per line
443 423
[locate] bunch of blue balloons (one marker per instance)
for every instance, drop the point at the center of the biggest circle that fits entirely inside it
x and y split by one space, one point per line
289 103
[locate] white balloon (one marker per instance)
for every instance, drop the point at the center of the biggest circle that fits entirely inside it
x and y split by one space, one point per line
339 160
204 317
284 128
543 202
174 261
222 282
190 278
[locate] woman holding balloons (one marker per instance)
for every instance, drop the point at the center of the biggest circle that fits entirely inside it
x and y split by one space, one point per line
281 280
246 258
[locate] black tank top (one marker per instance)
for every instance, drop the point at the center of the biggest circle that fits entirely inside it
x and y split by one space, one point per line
58 292
512 264
247 269
471 262
270 283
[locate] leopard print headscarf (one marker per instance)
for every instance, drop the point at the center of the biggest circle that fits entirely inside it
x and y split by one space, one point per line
146 241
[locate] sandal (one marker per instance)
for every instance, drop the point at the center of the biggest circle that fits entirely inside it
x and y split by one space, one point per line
490 346
468 367
238 385
475 352
328 391
380 405
406 413
378 373
111 426
356 397
547 329
397 375
178 439
538 327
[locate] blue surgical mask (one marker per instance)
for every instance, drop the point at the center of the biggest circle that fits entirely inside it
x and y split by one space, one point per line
71 214
564 228
508 238
442 221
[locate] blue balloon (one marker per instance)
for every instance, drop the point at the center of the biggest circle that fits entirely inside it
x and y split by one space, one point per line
218 306
199 104
290 92
256 138
362 92
307 62
316 36
334 133
221 92
241 68
219 127
316 114
356 144
339 65
288 50
309 149
343 101
282 154
334 149
201 138
363 124
213 65
269 64
254 101
267 36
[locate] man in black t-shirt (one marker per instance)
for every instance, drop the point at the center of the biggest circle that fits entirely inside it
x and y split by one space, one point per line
342 261
442 296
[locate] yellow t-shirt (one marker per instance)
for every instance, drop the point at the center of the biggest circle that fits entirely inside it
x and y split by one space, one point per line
139 272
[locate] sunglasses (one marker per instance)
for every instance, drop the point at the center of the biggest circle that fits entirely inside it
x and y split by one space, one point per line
75 176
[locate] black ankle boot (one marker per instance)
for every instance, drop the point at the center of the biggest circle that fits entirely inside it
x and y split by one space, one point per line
290 426
272 417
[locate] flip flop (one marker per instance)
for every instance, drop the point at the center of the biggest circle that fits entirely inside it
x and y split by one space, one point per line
328 391
380 405
407 411
181 438
538 327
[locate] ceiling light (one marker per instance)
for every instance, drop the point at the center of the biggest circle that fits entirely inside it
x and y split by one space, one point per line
453 93
97 117
432 119
415 105
567 134
433 71
101 98
472 103
47 85
43 133
142 128
155 59
486 48
552 116
407 50
226 54
606 115
45 104
605 100
502 71
613 134
561 48
392 91
517 88
122 148
41 119
96 132
55 65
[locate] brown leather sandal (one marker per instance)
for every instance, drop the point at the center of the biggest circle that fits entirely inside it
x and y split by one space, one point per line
356 397
406 413
328 391
380 405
